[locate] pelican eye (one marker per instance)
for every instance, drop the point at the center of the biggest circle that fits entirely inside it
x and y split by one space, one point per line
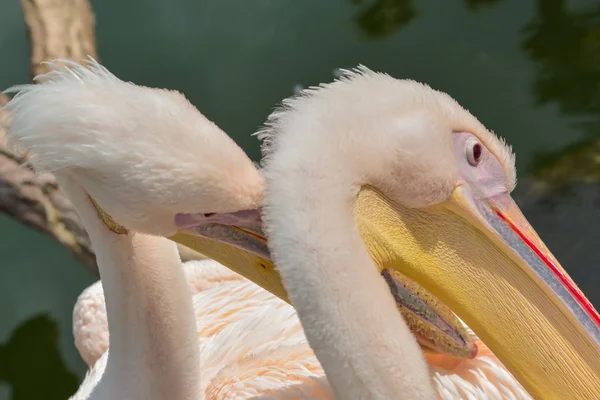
474 153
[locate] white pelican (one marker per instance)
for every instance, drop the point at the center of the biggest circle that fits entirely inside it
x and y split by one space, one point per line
127 187
371 172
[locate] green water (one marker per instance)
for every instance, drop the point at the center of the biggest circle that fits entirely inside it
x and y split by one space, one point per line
529 70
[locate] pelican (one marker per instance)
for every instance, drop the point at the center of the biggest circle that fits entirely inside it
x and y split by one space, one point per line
371 172
136 200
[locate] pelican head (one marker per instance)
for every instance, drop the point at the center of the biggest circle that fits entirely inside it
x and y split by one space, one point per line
429 188
152 158
135 152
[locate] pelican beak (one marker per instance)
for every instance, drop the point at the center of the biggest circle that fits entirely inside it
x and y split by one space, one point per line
237 241
482 259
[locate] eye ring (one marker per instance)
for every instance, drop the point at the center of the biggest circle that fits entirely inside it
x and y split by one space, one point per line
474 151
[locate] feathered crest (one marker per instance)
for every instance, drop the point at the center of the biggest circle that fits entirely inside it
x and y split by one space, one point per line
268 133
63 72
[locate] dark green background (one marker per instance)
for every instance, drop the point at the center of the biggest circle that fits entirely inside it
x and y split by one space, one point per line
530 70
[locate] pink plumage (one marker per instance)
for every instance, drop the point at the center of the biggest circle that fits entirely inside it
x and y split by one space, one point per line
252 345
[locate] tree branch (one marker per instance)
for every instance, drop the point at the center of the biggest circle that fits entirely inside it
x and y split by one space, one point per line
59 29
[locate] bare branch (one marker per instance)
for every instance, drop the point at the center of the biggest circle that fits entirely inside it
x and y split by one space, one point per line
59 29
3 101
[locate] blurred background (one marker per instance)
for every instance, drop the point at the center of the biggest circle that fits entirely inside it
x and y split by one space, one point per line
529 70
